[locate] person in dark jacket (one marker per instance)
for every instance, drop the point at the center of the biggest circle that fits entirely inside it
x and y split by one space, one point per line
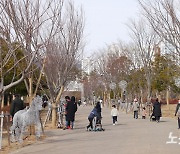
16 105
178 112
157 110
96 112
71 108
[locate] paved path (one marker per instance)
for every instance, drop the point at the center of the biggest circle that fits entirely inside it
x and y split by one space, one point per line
130 136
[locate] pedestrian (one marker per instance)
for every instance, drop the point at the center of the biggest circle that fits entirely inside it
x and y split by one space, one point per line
71 108
84 103
101 103
144 113
17 104
119 103
135 108
96 112
177 112
114 114
157 110
79 102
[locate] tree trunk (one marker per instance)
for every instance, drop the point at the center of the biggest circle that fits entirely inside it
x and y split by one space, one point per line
141 95
2 100
30 91
54 116
167 95
54 107
39 79
148 91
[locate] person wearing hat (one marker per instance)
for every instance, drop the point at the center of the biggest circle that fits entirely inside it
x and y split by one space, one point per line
135 108
177 112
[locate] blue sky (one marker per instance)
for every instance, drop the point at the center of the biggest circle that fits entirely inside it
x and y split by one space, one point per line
106 21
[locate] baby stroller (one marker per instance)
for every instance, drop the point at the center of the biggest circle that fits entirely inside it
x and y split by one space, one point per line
97 126
152 117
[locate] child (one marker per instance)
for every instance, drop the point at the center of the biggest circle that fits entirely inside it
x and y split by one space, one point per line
114 114
144 113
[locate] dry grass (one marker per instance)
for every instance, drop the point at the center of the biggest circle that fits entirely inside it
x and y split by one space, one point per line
6 148
168 110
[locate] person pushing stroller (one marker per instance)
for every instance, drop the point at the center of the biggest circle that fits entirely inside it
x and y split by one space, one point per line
96 112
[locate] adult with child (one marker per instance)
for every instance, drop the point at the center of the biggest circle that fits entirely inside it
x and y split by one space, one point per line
114 114
96 112
71 108
177 112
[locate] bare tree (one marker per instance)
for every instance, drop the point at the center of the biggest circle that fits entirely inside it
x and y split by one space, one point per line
63 50
27 23
20 23
163 16
145 40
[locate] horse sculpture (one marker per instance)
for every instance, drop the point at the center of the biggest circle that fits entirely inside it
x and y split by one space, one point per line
27 117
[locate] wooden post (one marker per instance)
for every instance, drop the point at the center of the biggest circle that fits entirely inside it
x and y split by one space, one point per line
1 116
41 123
7 120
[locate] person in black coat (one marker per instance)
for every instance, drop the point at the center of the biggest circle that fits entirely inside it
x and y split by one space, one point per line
178 112
16 105
71 108
157 110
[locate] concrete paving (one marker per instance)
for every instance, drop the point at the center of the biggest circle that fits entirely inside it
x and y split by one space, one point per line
129 136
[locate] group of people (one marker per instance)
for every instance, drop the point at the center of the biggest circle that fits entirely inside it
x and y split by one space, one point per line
71 108
155 113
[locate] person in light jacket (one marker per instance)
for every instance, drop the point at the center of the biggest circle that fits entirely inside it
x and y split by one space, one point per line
114 114
135 108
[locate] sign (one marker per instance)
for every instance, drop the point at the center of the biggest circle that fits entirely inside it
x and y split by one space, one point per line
123 84
112 85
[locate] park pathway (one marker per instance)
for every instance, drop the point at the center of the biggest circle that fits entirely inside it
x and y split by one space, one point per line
130 136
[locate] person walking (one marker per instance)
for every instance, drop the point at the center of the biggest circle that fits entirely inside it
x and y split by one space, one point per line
144 113
71 108
114 114
135 108
177 112
17 104
157 110
96 112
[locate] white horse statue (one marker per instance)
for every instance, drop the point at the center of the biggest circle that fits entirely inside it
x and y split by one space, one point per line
26 117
